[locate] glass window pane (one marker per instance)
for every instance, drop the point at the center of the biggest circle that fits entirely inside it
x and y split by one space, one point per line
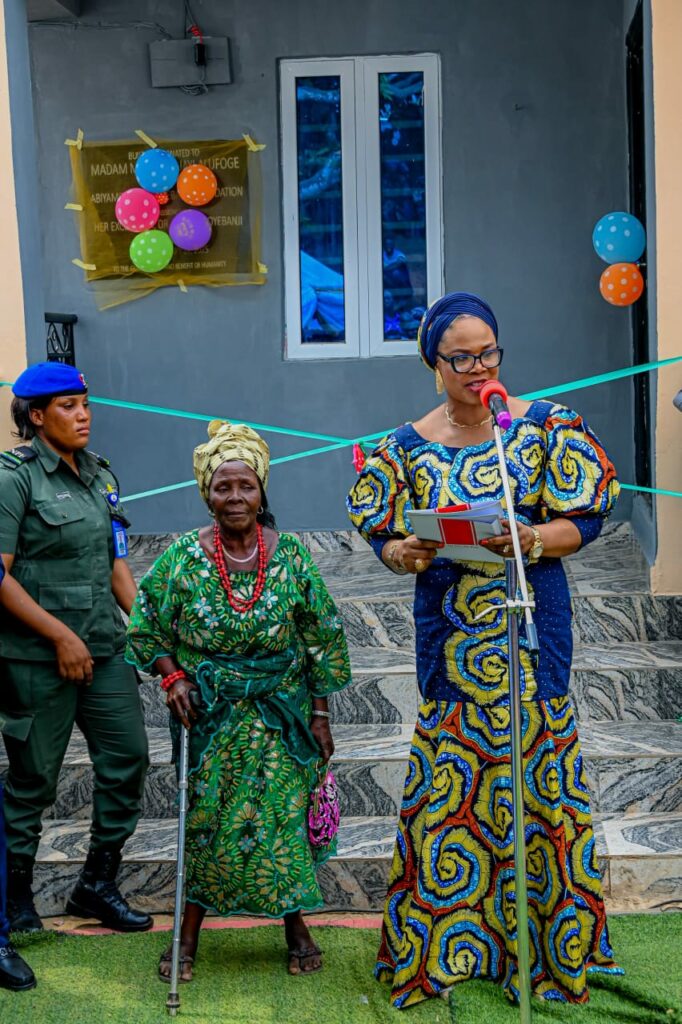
320 208
403 207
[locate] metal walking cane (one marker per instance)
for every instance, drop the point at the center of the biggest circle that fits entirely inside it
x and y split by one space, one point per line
173 1000
515 581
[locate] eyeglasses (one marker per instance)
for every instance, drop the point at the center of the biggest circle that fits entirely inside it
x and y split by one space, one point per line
462 363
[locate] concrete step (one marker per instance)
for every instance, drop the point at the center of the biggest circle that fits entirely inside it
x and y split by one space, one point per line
640 859
612 564
626 684
626 694
603 618
625 681
376 607
594 656
609 582
632 768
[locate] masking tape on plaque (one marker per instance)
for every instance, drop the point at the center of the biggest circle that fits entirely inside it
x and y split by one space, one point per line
254 147
145 138
77 142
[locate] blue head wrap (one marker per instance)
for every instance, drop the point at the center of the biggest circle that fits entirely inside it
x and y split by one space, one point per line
440 315
45 380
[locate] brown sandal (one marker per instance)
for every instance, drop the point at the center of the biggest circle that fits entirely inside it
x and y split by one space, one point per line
167 958
297 956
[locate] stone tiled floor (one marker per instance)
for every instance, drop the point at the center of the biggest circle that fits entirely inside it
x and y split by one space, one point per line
643 854
392 742
627 687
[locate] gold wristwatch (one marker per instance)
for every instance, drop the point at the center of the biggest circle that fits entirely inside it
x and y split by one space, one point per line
538 547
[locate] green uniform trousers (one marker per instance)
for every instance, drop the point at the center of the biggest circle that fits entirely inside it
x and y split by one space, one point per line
108 713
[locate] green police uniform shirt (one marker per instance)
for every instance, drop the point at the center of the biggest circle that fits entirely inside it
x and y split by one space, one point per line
58 527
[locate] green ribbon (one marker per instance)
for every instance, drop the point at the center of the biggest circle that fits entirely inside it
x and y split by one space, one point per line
600 378
652 490
341 442
576 385
162 410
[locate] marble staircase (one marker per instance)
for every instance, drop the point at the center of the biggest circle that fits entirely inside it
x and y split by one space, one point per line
626 684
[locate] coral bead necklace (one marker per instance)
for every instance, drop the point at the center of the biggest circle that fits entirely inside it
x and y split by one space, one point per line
237 603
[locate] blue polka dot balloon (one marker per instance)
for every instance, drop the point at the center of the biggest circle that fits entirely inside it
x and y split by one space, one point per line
156 170
619 238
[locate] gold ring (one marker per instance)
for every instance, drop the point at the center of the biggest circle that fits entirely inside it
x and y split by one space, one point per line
419 565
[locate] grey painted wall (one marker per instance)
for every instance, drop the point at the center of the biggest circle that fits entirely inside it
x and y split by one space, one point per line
534 151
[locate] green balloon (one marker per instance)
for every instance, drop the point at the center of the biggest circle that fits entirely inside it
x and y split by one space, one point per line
151 251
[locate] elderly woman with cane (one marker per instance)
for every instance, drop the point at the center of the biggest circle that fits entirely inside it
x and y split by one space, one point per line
241 613
450 909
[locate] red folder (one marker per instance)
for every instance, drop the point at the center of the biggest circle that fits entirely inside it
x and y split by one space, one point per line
460 529
456 531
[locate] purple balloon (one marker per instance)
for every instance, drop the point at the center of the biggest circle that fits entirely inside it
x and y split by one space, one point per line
190 230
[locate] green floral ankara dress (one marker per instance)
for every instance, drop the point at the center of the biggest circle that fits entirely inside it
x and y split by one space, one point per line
253 759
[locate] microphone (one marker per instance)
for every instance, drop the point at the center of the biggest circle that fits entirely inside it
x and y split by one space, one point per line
494 397
677 400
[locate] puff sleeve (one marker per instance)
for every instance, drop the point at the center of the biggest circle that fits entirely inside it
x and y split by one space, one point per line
580 480
381 496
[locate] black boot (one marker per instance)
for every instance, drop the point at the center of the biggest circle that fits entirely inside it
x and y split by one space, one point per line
20 907
15 974
96 894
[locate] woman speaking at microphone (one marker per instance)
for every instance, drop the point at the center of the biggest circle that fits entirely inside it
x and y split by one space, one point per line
450 909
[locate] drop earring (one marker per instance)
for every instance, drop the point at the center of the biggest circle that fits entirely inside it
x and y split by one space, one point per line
440 386
211 511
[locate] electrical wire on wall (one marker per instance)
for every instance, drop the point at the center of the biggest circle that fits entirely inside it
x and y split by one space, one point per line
76 25
193 31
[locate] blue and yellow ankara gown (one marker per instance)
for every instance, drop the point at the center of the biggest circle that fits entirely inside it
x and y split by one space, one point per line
450 908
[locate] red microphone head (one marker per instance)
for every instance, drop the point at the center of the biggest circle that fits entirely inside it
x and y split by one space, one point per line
492 387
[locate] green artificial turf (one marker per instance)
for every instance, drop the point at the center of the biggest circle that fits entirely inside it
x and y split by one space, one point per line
240 978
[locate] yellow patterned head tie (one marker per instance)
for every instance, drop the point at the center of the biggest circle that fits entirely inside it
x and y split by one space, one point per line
230 442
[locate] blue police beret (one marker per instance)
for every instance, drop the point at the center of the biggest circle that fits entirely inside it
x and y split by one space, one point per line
43 380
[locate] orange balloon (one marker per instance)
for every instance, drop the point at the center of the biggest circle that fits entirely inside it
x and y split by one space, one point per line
197 185
621 284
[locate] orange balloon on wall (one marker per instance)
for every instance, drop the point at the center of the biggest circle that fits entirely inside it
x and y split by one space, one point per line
197 185
621 284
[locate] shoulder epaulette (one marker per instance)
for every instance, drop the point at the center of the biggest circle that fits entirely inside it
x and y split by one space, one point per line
16 457
100 459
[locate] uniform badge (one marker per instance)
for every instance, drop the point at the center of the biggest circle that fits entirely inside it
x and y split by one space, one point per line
111 494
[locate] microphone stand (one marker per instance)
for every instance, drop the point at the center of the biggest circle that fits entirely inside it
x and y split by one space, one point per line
516 581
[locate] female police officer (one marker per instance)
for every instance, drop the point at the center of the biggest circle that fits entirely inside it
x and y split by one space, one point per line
61 642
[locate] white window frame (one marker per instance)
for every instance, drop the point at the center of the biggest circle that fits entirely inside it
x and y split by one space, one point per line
361 190
289 72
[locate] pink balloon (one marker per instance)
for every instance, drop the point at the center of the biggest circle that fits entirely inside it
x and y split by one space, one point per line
137 210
